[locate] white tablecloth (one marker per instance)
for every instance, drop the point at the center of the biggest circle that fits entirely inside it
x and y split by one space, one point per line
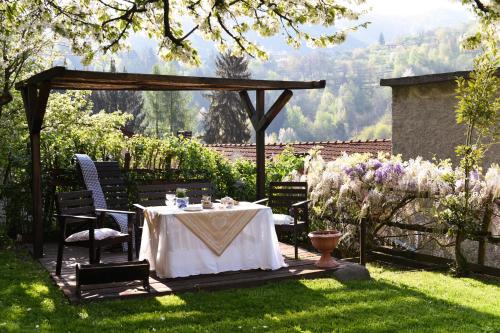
174 251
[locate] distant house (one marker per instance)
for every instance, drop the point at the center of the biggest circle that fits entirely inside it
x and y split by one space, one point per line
329 149
423 117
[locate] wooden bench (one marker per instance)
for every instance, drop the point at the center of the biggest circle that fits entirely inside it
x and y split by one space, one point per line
111 273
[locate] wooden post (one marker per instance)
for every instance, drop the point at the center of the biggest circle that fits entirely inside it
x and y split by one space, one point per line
126 163
260 121
36 183
362 242
35 103
260 140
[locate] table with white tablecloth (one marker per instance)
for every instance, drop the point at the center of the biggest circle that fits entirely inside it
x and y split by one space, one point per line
174 250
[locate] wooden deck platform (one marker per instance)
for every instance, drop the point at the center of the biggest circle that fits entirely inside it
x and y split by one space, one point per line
297 269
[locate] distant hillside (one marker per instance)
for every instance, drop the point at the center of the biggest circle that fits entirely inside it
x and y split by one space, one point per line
352 105
353 99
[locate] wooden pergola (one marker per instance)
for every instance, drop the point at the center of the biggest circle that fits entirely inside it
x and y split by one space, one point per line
36 90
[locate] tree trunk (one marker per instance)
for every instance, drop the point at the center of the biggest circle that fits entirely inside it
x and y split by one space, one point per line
460 259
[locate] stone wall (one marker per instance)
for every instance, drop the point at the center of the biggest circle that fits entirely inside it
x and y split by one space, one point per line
423 122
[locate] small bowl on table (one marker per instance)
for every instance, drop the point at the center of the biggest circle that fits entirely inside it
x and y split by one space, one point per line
207 205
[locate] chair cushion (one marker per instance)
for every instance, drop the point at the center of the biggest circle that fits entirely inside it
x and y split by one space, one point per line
99 234
282 219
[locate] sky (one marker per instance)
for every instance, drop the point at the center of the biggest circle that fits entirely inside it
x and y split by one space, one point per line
415 7
395 18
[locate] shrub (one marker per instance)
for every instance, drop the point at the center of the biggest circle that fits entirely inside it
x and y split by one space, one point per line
385 188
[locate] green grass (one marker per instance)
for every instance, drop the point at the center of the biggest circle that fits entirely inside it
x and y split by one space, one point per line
394 301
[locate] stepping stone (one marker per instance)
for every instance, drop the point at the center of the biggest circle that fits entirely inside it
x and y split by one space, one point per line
350 271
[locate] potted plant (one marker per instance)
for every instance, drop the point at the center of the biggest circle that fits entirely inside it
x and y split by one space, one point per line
181 199
325 242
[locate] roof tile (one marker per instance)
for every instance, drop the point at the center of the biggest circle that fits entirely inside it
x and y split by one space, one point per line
330 149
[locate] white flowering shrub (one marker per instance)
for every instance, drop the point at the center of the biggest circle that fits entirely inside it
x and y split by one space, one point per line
384 187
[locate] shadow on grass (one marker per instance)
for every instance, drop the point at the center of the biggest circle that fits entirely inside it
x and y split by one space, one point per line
28 299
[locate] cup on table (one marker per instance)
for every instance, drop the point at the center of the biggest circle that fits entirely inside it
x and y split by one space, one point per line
206 201
169 199
227 202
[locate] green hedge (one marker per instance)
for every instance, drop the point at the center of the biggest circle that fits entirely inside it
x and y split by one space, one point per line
70 127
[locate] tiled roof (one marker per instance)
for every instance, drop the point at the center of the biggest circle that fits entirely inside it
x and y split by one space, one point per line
330 149
429 78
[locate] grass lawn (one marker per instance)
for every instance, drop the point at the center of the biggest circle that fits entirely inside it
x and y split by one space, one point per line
394 301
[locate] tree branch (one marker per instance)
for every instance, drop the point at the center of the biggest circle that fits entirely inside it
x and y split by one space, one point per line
481 6
166 25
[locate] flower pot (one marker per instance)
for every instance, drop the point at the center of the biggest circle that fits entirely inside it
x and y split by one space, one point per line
325 242
182 202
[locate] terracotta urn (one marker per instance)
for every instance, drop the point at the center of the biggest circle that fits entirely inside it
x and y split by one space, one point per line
325 242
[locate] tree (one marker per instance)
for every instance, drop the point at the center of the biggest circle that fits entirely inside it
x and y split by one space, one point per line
299 122
381 39
380 130
226 119
25 47
125 101
104 25
486 11
23 37
478 109
166 112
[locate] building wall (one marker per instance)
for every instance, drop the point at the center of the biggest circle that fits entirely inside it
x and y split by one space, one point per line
423 122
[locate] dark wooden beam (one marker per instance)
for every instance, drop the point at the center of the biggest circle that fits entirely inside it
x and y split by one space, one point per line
30 96
247 103
275 109
62 78
34 105
24 95
427 79
40 107
45 75
260 121
36 192
260 140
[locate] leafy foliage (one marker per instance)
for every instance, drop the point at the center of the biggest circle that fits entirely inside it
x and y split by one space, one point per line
479 110
386 189
23 40
94 26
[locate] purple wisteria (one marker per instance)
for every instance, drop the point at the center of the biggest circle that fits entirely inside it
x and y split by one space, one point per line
382 172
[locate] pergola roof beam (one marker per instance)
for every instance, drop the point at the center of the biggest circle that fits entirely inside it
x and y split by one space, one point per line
62 78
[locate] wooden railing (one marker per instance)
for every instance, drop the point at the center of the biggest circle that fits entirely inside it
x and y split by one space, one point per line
483 237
